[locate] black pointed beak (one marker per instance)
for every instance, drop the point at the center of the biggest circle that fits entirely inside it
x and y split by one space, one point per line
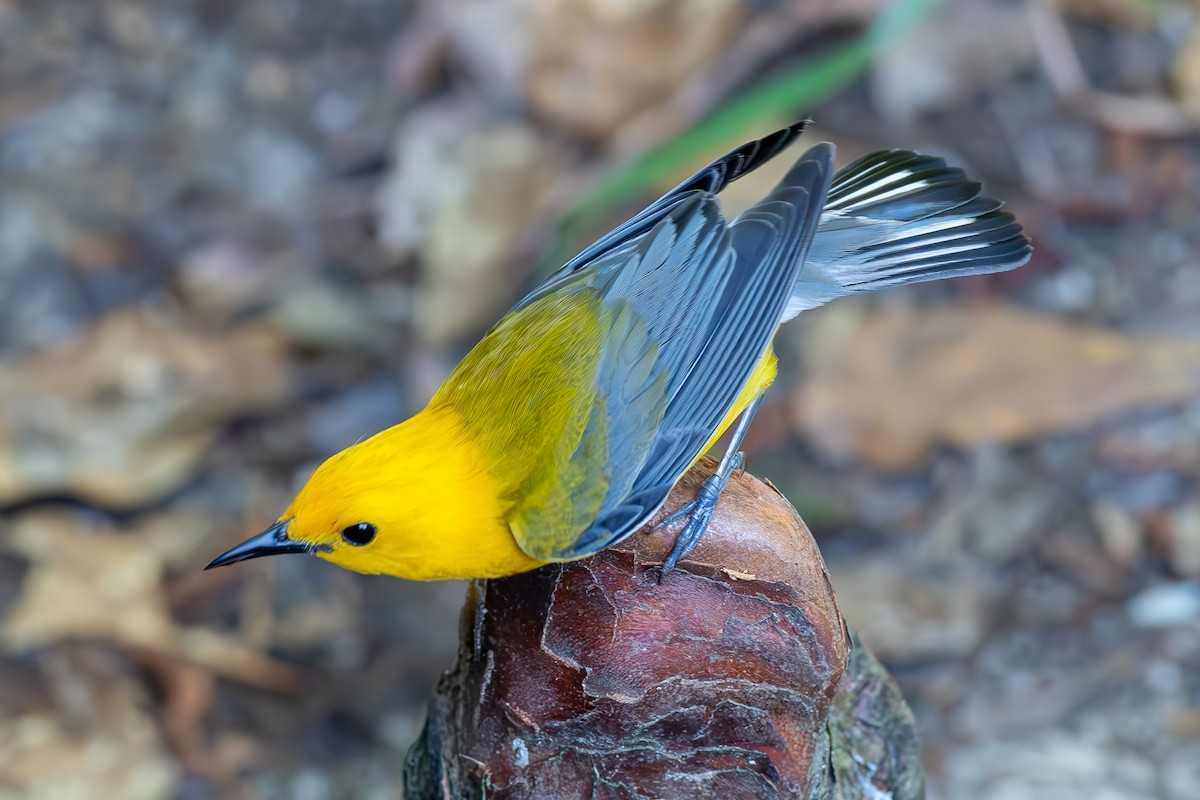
271 542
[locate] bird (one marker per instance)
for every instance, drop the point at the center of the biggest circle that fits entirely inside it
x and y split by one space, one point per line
565 428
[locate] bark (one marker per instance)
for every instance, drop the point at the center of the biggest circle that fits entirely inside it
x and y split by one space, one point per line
733 677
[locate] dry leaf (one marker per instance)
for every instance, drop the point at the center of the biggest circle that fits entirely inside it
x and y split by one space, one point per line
901 381
461 192
589 65
99 584
121 415
1186 72
112 749
906 619
187 691
88 584
41 760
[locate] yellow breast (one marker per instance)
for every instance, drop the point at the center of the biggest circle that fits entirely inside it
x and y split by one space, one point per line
762 377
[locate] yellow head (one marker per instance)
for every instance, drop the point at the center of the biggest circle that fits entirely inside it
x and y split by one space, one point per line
414 501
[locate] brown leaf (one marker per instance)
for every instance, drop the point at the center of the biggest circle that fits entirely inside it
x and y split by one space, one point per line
906 619
586 65
85 584
109 746
122 414
99 584
187 697
888 389
461 192
1186 72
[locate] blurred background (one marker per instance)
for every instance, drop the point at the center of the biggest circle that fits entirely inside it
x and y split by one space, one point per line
235 237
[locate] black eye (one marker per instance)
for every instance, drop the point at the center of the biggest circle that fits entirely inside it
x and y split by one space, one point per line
359 534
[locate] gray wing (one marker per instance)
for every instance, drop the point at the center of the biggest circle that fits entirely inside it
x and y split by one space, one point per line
705 298
707 182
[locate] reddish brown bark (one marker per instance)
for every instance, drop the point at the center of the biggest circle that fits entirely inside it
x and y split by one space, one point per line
593 679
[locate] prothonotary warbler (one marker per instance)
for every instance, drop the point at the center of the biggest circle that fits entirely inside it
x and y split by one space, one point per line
565 428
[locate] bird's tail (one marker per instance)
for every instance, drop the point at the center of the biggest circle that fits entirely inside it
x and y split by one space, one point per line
897 217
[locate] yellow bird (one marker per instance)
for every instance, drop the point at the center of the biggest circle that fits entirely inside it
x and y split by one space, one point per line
565 428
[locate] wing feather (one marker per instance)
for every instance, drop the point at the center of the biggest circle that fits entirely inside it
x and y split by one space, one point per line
896 217
709 181
758 259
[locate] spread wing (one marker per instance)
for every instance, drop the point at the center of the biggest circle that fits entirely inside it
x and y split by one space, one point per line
686 305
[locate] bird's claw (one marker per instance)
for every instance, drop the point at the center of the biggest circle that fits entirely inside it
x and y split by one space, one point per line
675 515
700 513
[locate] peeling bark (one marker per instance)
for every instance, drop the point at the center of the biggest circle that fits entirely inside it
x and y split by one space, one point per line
728 679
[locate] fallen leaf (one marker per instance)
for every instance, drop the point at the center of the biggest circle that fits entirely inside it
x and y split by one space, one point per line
94 583
461 192
584 65
122 414
911 620
41 760
889 388
114 751
1186 72
1183 529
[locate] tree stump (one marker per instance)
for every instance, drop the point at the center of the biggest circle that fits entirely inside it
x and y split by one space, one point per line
733 677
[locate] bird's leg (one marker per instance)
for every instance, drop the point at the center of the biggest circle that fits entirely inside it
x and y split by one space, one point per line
739 466
700 510
678 513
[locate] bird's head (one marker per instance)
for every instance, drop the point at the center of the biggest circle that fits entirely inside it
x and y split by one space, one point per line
413 501
357 510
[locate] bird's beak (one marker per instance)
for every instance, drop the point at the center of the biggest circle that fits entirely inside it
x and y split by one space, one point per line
271 542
